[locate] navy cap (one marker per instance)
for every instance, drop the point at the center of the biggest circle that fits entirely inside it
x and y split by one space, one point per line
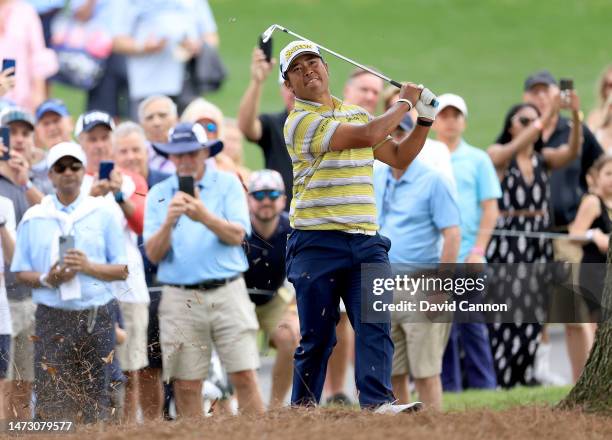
52 105
16 114
540 77
187 137
88 121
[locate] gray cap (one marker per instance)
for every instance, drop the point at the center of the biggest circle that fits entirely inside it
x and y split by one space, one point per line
540 77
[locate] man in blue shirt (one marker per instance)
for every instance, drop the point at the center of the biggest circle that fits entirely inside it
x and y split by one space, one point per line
196 241
69 248
478 190
418 212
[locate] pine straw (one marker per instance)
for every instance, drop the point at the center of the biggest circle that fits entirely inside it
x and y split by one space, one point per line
531 422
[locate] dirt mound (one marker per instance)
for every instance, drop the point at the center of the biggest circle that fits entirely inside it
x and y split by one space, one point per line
525 423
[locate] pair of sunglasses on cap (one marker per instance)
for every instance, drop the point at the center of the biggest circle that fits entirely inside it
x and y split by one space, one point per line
272 194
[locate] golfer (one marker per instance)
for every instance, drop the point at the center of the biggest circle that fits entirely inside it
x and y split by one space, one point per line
333 146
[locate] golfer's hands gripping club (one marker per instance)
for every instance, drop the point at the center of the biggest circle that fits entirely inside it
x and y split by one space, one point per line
423 106
410 92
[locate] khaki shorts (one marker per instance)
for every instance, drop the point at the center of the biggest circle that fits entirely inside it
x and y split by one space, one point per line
22 347
564 307
132 354
270 314
191 321
419 348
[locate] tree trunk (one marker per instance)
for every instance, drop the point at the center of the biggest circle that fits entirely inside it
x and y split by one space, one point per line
593 391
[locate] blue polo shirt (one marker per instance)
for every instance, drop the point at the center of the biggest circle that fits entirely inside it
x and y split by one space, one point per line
476 181
413 210
98 234
196 253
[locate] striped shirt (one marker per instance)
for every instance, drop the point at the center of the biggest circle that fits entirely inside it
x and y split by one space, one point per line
332 190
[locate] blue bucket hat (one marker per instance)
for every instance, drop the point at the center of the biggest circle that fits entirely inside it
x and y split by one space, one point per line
187 137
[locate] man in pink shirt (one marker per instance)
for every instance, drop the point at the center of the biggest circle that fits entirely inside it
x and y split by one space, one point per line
21 39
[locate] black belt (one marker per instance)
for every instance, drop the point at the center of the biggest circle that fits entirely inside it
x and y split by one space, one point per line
208 284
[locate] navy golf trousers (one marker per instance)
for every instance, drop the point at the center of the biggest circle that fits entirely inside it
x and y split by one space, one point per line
325 266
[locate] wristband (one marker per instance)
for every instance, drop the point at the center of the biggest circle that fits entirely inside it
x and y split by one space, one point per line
589 234
424 122
43 281
407 101
477 250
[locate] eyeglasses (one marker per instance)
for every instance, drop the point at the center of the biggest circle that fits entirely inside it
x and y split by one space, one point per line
525 121
61 168
272 194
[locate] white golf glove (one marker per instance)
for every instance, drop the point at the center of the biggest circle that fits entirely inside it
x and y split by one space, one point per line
423 107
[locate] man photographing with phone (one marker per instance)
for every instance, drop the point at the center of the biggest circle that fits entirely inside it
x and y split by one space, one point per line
71 376
196 242
333 212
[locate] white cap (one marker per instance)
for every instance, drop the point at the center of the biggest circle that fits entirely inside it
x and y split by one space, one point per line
294 50
64 149
452 100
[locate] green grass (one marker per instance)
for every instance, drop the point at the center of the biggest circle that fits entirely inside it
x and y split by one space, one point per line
480 49
499 400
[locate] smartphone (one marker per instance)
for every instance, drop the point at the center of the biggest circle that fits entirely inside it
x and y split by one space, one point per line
106 166
266 47
7 63
66 242
187 185
566 84
5 134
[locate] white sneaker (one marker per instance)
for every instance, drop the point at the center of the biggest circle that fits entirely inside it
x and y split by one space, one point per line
391 408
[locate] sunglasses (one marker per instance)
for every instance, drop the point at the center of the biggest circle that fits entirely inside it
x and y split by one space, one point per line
61 168
525 121
272 194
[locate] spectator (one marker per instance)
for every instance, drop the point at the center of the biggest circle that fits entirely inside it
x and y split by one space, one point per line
110 94
478 190
540 89
7 247
34 62
600 118
434 153
200 264
158 37
266 130
266 278
363 89
53 125
16 186
158 114
594 220
125 192
523 165
232 147
130 153
418 212
72 291
47 10
21 124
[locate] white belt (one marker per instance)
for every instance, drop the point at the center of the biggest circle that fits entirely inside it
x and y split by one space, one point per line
359 231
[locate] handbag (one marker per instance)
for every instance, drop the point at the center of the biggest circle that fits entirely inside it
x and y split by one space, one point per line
82 51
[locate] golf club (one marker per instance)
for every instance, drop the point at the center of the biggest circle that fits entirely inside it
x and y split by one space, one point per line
267 34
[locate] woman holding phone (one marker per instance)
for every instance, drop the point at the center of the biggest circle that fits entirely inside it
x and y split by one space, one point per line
523 164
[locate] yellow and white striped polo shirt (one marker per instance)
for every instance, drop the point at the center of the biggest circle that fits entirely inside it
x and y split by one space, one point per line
332 190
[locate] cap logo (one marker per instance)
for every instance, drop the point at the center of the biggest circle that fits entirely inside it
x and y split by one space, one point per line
95 116
297 47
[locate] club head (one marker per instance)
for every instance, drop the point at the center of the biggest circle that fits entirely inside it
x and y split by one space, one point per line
267 34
